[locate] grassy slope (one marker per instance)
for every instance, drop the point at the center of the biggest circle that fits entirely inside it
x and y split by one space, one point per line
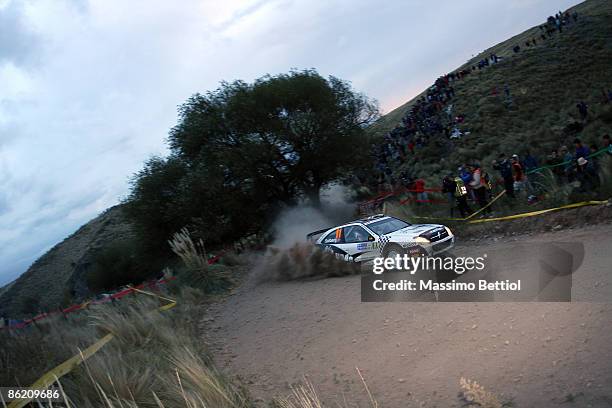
150 351
546 81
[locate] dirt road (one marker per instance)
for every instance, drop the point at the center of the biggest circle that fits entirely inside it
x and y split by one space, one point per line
413 354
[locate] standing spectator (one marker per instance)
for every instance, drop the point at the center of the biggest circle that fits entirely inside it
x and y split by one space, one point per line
405 179
465 174
593 161
505 170
507 90
581 150
583 110
478 187
508 98
568 160
554 161
586 174
461 197
419 187
519 175
449 186
466 177
530 162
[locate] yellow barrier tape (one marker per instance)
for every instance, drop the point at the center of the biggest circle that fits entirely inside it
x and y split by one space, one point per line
61 370
167 307
152 294
462 219
67 366
516 216
486 206
435 218
534 213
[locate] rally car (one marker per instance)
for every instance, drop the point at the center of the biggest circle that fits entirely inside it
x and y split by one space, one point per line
381 235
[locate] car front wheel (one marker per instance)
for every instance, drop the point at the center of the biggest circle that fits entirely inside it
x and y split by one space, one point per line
393 250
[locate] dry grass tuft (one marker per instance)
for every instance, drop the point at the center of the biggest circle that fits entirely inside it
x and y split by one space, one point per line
199 384
155 360
191 253
475 395
302 396
302 260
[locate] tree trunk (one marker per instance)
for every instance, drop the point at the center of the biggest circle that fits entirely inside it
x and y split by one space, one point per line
314 196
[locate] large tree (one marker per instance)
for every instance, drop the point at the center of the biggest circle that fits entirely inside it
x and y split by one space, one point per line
287 134
243 150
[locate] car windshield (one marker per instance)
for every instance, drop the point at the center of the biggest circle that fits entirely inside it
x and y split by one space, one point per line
388 225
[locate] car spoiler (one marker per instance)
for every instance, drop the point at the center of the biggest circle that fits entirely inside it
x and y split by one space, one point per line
312 234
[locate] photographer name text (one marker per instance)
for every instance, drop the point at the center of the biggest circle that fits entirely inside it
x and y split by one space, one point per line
422 284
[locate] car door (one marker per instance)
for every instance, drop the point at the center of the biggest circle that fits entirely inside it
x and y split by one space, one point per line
334 242
358 243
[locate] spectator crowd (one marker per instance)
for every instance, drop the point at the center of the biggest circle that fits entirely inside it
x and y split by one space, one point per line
472 186
472 183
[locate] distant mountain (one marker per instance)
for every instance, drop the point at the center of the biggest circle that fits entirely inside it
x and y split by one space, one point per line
58 276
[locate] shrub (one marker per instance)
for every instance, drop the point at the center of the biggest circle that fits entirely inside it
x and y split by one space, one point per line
606 114
29 305
196 272
116 265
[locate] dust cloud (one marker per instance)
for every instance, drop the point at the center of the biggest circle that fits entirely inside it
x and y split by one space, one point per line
291 256
292 224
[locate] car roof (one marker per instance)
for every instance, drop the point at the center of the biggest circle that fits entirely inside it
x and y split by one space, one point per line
363 221
371 219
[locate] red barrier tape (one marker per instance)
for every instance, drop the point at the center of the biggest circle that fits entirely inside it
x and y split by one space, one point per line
116 295
387 194
81 306
411 200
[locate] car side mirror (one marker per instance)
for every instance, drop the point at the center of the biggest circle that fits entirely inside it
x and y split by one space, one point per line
370 238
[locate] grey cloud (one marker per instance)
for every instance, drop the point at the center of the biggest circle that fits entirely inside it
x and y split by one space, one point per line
243 13
17 42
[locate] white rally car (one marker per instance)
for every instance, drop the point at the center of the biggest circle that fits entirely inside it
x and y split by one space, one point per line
381 235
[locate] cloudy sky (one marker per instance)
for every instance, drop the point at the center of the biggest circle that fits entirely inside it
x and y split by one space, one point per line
89 89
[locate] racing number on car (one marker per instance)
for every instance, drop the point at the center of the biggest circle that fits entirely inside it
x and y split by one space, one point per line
338 234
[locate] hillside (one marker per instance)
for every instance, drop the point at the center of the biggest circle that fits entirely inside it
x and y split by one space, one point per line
545 81
58 276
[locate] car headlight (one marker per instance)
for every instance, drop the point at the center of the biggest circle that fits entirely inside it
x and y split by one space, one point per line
448 231
421 240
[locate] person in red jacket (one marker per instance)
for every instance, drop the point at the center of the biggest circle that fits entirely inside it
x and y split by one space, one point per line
479 187
519 175
419 187
411 147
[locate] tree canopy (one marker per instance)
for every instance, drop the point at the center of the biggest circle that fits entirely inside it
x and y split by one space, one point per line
243 150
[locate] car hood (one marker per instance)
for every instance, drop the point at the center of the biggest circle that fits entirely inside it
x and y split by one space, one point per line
413 231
